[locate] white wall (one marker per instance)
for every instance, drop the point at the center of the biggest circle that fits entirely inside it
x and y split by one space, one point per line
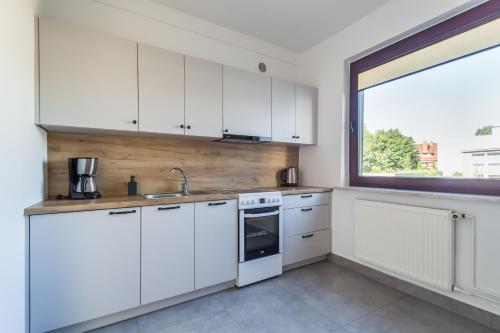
151 23
23 151
325 164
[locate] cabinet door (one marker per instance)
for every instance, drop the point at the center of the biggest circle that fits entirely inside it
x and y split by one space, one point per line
203 98
306 114
216 242
246 102
87 79
167 251
304 219
283 110
306 246
306 200
83 266
161 90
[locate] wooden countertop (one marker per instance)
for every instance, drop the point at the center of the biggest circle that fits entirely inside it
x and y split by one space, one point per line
53 206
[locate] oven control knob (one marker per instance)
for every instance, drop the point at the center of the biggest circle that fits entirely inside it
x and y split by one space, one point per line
274 200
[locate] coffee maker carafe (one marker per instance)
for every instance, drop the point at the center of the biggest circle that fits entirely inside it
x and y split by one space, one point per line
82 171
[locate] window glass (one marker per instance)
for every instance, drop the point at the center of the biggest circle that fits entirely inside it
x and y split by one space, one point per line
443 121
424 112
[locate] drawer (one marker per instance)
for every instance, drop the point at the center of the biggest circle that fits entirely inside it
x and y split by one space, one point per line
301 220
308 199
306 246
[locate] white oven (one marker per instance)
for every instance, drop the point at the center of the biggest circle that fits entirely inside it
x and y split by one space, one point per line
260 237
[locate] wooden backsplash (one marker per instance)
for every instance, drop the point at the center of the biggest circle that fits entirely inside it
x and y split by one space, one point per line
150 159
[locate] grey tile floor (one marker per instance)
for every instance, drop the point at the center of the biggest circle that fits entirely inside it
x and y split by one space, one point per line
321 297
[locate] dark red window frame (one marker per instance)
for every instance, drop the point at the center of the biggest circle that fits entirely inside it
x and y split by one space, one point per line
472 18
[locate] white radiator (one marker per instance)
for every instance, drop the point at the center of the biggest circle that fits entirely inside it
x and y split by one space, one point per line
413 242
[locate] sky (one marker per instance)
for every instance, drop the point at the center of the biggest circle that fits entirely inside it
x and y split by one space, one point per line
449 101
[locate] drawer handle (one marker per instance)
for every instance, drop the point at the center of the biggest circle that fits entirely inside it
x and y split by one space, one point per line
123 212
216 203
307 236
306 209
306 196
169 208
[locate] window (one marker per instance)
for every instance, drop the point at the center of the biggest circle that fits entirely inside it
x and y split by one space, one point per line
425 111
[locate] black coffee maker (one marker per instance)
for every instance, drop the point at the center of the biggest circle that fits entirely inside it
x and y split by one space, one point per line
82 171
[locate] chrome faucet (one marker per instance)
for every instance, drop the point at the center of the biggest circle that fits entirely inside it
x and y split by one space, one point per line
185 185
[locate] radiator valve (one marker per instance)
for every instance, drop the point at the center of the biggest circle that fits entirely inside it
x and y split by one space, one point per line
457 216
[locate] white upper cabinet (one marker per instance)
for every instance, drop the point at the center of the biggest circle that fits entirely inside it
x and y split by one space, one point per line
203 113
294 112
91 80
87 79
306 114
247 103
283 110
161 90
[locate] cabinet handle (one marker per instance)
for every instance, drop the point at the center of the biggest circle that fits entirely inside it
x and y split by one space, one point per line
297 137
182 126
307 236
306 209
169 208
188 126
134 122
226 130
123 212
216 203
306 196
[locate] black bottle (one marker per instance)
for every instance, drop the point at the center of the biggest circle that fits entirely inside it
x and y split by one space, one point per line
132 186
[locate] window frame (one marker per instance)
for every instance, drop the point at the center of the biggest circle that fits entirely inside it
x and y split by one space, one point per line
479 15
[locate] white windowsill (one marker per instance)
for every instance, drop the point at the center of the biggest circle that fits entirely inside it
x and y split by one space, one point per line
423 194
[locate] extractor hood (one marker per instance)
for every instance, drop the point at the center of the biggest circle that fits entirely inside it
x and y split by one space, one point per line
236 138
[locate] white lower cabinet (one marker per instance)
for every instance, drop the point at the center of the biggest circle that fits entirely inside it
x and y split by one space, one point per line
87 265
306 246
83 266
216 242
306 224
167 256
306 200
304 219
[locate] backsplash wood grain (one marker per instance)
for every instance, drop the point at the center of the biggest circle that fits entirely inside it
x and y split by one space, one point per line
208 164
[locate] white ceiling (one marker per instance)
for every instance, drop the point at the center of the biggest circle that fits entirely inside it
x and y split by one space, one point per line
296 25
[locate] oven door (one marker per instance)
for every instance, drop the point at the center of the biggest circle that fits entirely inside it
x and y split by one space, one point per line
259 233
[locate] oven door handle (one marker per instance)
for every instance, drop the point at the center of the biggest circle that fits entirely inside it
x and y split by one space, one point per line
276 212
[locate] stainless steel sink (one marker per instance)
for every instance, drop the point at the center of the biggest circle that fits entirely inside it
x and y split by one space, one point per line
164 195
198 192
177 194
